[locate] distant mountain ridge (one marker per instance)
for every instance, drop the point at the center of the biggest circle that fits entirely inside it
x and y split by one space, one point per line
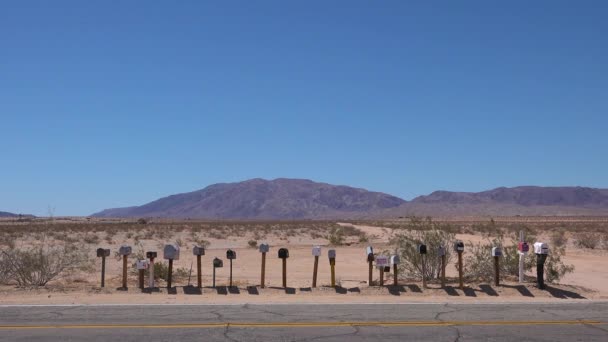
304 199
7 214
264 199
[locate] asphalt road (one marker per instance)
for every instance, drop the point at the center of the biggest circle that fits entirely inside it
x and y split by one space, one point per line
308 322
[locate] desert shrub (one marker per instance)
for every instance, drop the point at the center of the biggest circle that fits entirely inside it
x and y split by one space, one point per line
406 246
179 242
40 264
91 238
252 243
142 221
363 238
559 238
161 271
479 263
336 236
588 240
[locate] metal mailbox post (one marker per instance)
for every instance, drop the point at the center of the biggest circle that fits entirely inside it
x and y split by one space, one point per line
103 253
441 252
523 249
422 251
284 254
264 248
369 252
151 255
230 255
331 254
496 253
216 264
316 252
381 263
541 250
198 251
170 252
459 248
125 251
395 260
141 266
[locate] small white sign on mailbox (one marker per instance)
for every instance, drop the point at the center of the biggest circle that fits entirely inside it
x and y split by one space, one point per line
142 264
381 261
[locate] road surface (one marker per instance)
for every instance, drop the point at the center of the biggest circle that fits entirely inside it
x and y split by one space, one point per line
308 322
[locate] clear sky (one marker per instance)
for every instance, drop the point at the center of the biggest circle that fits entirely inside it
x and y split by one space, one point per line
116 103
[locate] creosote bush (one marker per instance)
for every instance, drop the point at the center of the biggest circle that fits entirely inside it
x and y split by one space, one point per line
40 264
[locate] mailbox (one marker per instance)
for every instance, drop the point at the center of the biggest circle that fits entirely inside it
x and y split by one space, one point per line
369 251
102 252
142 264
218 263
316 251
171 252
395 260
331 253
541 248
125 250
264 248
151 255
440 251
198 250
458 246
496 252
523 247
230 254
283 253
381 261
422 249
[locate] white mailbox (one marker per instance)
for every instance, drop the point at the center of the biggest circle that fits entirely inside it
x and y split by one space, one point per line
541 248
264 248
125 250
496 252
440 251
171 252
142 264
316 251
331 253
395 260
381 261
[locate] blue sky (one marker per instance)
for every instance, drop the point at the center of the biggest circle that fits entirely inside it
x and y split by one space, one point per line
115 103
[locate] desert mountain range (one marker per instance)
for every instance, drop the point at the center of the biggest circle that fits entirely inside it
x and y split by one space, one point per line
304 199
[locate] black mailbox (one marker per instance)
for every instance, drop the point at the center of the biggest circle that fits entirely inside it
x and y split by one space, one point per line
102 252
422 249
459 246
151 255
283 253
387 268
218 263
230 254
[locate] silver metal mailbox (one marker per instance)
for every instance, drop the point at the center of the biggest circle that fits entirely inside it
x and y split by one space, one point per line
103 252
395 260
142 264
264 248
316 251
198 250
541 248
171 252
496 252
125 250
331 253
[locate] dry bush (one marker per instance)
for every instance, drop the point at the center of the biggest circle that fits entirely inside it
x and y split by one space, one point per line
559 238
252 243
336 236
40 264
91 238
406 246
588 240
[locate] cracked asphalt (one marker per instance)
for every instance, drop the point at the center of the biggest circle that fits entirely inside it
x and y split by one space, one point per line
308 322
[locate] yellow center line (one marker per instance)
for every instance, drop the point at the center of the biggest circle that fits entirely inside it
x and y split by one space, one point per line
292 325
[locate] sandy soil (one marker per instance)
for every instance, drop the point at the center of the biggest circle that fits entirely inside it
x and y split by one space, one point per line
590 279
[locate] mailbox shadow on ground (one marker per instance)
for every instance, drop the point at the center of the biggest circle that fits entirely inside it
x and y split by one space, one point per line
192 290
151 290
288 290
354 290
340 290
563 294
469 292
305 289
487 289
234 290
521 288
172 290
396 290
221 290
253 290
451 291
414 288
